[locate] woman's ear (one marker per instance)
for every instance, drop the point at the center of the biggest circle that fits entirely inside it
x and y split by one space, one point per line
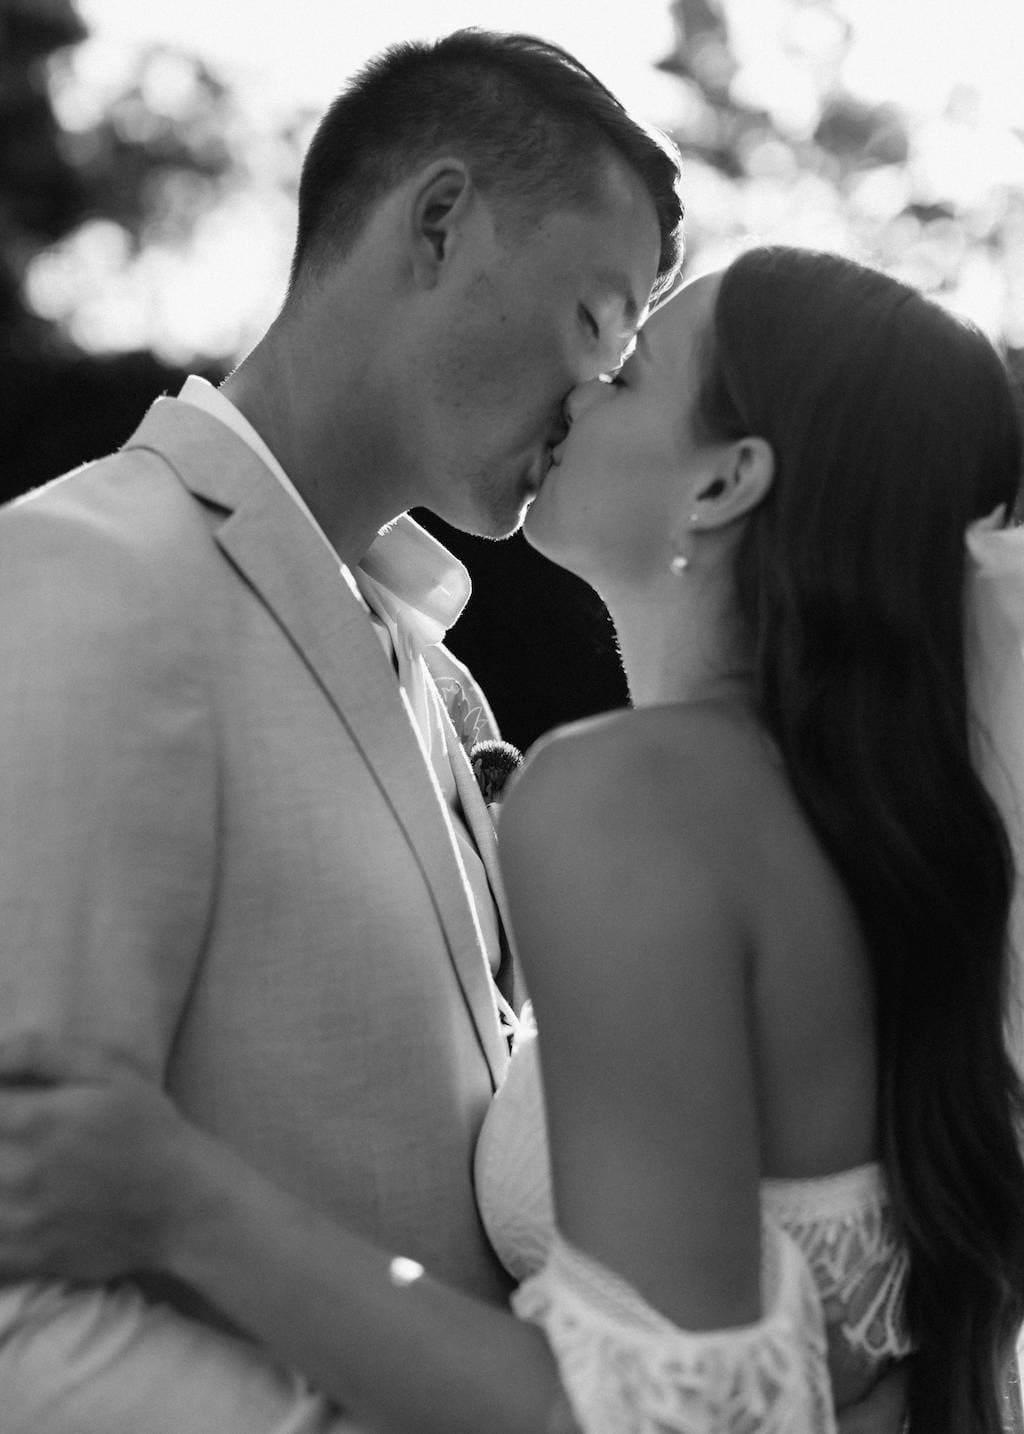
742 478
439 199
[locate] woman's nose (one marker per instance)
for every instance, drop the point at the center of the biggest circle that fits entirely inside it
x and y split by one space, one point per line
583 397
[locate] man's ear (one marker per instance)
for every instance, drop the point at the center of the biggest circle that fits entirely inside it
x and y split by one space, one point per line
742 478
439 199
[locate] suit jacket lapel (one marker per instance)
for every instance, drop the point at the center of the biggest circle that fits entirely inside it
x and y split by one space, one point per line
297 576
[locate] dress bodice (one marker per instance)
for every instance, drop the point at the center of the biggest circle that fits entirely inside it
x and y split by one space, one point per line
830 1243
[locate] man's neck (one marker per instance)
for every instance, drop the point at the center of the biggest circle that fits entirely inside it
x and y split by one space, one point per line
330 464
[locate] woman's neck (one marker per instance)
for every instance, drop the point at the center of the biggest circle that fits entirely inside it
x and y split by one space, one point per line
681 645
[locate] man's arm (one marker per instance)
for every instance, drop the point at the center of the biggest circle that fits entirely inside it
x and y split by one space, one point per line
107 786
92 1360
108 804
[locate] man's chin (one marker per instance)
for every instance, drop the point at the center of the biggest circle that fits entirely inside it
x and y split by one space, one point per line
488 510
494 522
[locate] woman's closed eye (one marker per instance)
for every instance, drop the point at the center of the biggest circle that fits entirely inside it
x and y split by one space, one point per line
589 322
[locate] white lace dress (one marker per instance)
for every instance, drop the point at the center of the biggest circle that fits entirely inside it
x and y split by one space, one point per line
833 1282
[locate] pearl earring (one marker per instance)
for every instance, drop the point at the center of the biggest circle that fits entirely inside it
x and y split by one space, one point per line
679 562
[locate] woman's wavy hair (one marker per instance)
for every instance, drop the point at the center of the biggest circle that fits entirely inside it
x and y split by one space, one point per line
894 426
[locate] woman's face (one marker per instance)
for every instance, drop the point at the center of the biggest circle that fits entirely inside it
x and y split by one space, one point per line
625 475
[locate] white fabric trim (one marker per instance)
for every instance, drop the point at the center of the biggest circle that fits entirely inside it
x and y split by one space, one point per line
626 1369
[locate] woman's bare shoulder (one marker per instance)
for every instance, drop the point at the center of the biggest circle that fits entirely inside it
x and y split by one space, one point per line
643 817
686 774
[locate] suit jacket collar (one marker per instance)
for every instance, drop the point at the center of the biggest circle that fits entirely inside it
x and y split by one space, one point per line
275 549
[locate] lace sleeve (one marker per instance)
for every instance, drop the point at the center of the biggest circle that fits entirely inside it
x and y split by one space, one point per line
844 1226
627 1370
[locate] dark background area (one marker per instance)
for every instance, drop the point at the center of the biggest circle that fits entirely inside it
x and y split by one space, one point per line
537 639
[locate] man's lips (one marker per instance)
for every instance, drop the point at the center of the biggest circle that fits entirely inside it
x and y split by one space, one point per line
550 457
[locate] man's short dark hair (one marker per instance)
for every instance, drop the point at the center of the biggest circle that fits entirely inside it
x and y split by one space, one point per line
533 124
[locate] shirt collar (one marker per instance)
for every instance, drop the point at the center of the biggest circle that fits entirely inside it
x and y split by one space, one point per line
406 576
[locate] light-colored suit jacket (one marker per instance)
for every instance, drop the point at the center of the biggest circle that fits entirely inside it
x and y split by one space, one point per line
224 857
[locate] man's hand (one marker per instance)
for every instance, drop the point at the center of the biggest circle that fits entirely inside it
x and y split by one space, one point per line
882 1411
92 1158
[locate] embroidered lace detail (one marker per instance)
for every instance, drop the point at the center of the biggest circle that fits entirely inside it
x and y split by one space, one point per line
845 1228
628 1370
468 719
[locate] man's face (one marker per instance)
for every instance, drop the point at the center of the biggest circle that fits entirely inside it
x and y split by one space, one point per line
531 320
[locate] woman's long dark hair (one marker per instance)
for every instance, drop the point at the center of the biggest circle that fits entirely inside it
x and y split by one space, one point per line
893 427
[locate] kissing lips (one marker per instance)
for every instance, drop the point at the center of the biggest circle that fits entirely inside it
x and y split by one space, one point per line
539 472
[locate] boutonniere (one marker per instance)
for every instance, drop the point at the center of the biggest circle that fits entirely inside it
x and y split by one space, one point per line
493 762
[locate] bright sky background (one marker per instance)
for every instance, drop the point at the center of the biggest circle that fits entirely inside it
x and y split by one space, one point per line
304 49
909 50
217 292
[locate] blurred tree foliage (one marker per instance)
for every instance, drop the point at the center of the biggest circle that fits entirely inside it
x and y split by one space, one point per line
134 203
127 175
40 197
779 147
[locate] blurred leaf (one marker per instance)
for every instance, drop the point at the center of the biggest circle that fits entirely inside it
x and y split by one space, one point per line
777 146
36 27
861 134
